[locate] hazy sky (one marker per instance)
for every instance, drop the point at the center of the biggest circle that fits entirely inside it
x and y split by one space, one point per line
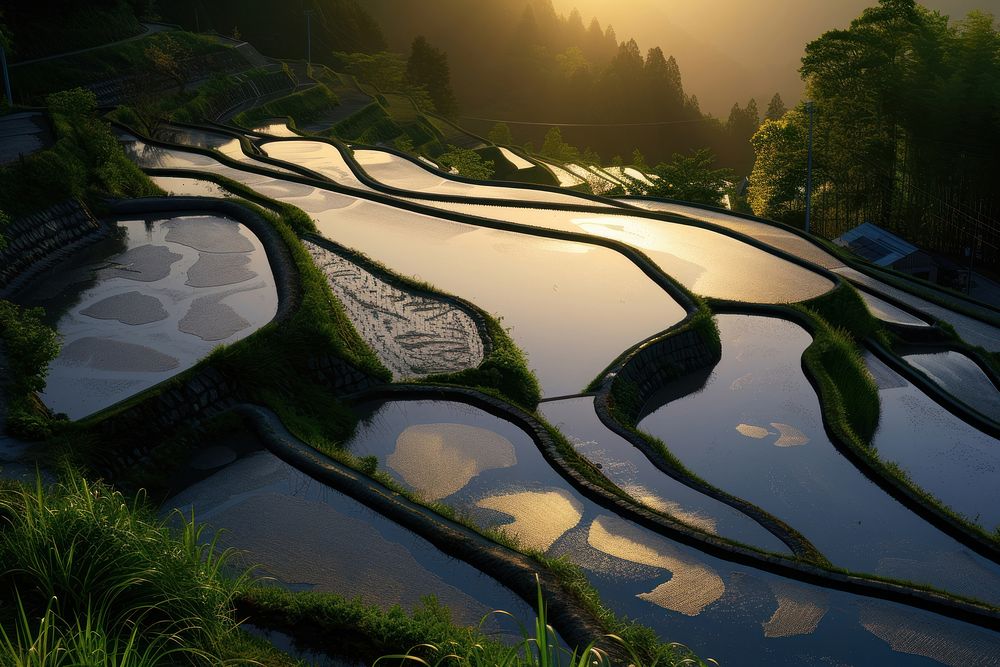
731 50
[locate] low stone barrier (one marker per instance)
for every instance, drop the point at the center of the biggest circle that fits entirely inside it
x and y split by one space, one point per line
38 241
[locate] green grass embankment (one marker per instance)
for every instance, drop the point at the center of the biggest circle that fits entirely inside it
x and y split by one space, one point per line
849 396
86 162
36 80
93 577
302 106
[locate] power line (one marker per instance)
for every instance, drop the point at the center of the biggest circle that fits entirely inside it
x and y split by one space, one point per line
649 124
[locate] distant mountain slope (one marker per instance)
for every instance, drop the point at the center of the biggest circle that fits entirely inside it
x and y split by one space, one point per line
278 27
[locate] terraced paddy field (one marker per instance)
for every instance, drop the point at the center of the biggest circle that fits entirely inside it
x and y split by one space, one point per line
149 303
750 425
486 467
940 452
773 451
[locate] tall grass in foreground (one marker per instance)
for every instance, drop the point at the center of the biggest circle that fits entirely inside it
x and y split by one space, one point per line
96 579
538 649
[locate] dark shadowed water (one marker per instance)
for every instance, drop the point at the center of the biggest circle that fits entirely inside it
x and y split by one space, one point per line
756 430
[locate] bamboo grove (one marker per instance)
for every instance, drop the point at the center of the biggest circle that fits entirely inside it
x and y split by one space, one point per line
906 132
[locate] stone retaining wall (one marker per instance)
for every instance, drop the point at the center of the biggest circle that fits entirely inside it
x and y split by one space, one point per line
664 359
37 241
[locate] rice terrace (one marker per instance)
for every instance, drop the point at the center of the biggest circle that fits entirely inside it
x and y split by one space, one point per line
505 332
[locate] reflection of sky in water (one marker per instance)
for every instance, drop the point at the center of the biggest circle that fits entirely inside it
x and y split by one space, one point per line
941 453
751 603
309 537
705 262
132 319
682 594
962 378
629 468
887 312
769 234
404 174
794 471
546 291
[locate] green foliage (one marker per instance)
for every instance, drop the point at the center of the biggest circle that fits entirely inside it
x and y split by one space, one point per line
905 130
384 70
557 149
303 106
776 182
4 223
691 178
167 58
467 162
107 581
500 135
86 161
35 80
428 67
30 345
505 370
369 125
849 395
776 108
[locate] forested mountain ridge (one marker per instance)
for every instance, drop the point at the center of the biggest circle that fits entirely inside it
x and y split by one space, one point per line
520 60
278 28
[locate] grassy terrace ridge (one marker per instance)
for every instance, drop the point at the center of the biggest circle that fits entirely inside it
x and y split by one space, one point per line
315 418
35 80
848 395
324 422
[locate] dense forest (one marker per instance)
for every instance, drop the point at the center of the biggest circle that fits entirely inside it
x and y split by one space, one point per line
906 130
508 59
521 61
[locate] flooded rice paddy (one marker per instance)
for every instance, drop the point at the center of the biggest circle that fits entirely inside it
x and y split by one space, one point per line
413 334
497 476
972 331
149 303
573 307
630 470
515 159
888 312
772 235
961 377
941 453
706 262
771 449
311 537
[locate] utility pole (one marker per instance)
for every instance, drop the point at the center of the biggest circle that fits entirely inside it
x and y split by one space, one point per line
6 74
308 13
809 168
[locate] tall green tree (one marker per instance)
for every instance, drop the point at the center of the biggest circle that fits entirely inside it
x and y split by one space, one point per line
428 66
692 178
776 108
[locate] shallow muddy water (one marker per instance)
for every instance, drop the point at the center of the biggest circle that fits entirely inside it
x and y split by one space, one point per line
412 334
144 306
